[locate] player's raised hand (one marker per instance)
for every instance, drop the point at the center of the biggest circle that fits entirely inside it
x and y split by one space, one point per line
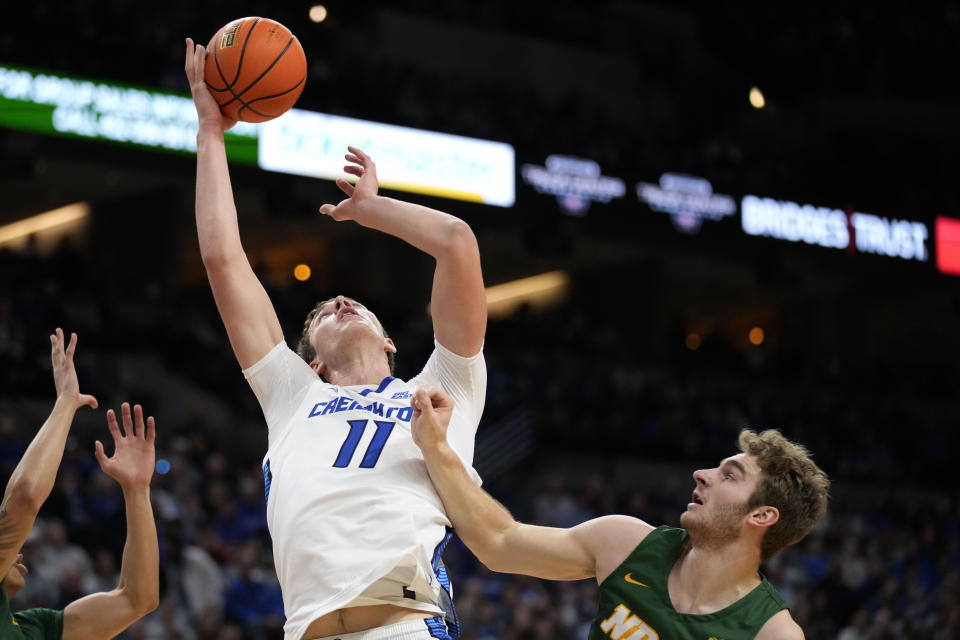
65 374
431 416
133 458
208 111
367 185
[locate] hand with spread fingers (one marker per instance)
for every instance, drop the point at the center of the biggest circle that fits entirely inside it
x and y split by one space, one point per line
64 372
133 459
366 188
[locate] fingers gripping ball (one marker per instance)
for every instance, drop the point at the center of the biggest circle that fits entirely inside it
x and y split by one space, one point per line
255 69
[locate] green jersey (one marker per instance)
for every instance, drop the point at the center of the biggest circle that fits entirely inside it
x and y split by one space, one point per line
635 603
31 624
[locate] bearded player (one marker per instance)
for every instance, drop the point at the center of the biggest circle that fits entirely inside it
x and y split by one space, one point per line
693 583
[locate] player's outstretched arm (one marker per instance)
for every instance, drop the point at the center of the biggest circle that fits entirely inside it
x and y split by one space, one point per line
33 478
458 302
591 549
244 306
104 615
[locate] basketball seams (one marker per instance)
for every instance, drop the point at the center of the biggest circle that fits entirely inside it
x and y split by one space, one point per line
236 96
227 86
246 105
243 50
216 62
277 95
280 68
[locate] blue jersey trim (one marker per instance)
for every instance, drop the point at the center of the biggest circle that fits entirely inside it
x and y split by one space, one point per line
435 562
267 479
450 618
383 385
437 628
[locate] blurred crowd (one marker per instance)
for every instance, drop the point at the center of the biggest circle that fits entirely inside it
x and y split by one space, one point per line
884 564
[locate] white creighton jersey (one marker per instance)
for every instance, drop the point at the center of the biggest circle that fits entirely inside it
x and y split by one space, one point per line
353 515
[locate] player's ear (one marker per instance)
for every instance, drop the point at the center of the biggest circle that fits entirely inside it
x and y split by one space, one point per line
319 367
388 346
765 516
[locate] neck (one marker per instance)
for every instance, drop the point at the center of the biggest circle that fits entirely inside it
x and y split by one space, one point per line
705 580
357 368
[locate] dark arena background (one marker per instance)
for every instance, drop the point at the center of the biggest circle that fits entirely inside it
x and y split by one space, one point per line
741 216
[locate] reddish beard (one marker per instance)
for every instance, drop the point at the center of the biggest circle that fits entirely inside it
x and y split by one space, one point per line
716 527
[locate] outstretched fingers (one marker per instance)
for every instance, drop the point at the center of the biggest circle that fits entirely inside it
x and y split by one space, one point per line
151 430
346 187
194 61
356 155
127 419
139 430
72 347
188 58
100 453
113 426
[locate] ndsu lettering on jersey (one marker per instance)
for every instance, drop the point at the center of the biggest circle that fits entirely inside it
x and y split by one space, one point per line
622 624
345 403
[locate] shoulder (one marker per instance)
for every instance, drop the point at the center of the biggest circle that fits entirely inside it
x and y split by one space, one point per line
781 626
48 621
612 539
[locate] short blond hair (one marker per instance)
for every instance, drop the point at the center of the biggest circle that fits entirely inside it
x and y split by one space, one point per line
789 481
305 348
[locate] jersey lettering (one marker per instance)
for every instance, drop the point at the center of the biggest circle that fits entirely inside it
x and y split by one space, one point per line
621 625
344 403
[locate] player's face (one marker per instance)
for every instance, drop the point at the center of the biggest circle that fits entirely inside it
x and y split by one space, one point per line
718 507
339 318
14 580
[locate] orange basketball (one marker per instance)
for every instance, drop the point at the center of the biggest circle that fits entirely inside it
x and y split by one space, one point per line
255 69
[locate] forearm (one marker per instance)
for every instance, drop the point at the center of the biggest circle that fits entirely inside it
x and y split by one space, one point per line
480 521
217 227
433 232
140 569
33 478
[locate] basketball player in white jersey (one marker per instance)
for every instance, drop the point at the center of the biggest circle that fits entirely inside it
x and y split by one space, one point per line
357 526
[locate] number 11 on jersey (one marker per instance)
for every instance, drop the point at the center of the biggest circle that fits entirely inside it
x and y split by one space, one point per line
374 449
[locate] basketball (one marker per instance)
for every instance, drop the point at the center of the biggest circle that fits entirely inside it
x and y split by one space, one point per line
255 69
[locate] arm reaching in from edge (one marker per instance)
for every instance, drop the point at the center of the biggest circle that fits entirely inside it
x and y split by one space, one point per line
591 549
244 306
104 615
458 302
33 478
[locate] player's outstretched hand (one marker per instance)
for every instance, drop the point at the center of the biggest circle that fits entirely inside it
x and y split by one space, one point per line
366 187
65 374
133 458
431 416
208 111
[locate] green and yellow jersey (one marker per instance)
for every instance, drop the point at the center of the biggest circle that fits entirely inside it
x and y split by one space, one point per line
31 624
635 603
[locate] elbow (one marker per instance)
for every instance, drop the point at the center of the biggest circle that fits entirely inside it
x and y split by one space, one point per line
494 563
490 552
217 259
151 605
23 500
144 605
459 241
